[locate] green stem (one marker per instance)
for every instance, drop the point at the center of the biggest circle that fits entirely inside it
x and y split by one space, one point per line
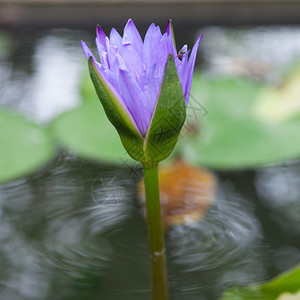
155 233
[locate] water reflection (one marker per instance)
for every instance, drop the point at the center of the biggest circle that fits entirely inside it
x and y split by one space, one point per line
223 249
76 227
238 50
112 195
57 61
279 189
40 78
286 257
46 245
76 230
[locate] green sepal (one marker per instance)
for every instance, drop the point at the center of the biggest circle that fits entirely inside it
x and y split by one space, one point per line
168 117
116 113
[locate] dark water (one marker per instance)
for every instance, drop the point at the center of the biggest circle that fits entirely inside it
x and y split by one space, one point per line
74 229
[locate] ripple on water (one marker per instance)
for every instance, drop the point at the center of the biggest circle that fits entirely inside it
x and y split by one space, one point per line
222 249
79 232
51 232
279 190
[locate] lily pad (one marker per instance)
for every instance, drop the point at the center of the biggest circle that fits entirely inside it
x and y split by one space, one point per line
280 103
231 135
285 286
24 146
87 131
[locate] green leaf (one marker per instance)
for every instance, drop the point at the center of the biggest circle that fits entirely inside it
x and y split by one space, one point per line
168 117
231 135
288 282
279 104
24 146
87 131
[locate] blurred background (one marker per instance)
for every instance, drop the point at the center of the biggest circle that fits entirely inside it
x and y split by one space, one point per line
71 213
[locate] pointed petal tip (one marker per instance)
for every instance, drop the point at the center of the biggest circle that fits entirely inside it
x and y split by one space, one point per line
86 50
129 22
199 38
99 32
170 32
190 70
132 36
169 26
196 45
184 48
98 28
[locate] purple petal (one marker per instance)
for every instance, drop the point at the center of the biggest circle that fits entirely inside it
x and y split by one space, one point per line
111 90
102 55
122 64
115 38
132 49
133 70
184 49
169 27
132 36
164 51
112 52
101 36
171 46
132 59
151 87
170 32
182 67
135 100
190 70
151 44
88 53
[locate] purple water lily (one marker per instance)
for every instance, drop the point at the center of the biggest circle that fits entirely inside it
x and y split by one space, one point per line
134 69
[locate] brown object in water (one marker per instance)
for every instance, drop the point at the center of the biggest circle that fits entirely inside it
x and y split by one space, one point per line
186 191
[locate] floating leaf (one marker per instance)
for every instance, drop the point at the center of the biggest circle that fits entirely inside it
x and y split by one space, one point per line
281 103
284 286
231 135
288 282
24 146
86 130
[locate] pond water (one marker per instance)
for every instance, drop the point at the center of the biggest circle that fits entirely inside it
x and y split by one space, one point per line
74 229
